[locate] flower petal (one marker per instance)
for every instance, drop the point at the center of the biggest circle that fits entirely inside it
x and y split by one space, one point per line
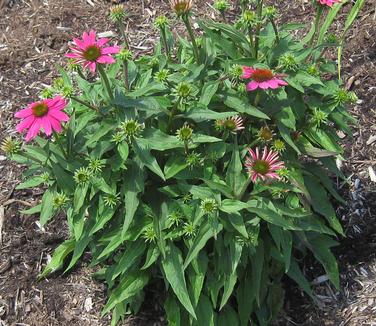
58 115
24 113
55 124
105 59
34 129
25 124
102 41
111 50
251 86
46 125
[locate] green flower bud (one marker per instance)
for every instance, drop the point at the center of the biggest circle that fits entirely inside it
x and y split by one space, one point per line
67 91
47 93
331 39
221 5
236 71
175 218
10 146
185 133
118 137
181 7
60 200
270 12
193 159
187 198
161 22
278 146
45 177
125 55
209 206
96 165
162 75
149 234
72 65
82 176
111 200
319 117
117 13
265 134
248 18
189 229
288 61
58 84
131 128
154 62
345 97
184 90
312 70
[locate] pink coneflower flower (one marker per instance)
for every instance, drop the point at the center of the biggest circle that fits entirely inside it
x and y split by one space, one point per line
329 3
262 78
89 51
263 167
232 124
46 114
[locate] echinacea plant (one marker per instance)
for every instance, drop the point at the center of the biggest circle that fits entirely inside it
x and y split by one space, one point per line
204 168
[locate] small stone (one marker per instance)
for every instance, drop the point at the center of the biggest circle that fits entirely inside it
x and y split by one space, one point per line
88 304
3 158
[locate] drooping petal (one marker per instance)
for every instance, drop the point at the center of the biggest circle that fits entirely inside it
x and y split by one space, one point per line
25 124
281 82
72 55
273 83
46 125
58 115
55 124
33 130
102 41
111 50
105 59
264 84
92 66
247 72
24 113
251 86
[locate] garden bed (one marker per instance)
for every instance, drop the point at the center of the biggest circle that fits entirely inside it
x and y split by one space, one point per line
33 34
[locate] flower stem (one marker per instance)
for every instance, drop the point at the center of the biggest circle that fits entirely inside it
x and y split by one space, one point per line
164 40
192 37
84 103
105 81
275 29
58 141
122 32
258 26
257 98
126 76
316 23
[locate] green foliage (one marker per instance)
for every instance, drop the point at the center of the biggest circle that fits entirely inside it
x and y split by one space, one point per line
153 181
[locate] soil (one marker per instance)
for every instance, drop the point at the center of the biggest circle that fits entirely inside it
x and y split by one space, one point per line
33 38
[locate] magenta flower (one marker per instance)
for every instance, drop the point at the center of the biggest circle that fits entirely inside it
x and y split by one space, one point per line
263 167
89 51
329 3
262 78
46 114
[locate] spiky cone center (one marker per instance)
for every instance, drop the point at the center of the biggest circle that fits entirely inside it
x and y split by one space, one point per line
261 166
261 75
117 13
265 134
181 7
40 109
92 53
185 133
229 124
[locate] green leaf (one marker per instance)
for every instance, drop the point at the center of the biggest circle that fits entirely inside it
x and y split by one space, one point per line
208 91
283 240
234 176
352 15
123 150
285 133
236 220
257 268
79 197
130 256
147 159
320 246
205 233
230 282
129 286
205 312
133 184
200 115
151 257
228 317
174 165
31 183
245 297
47 207
58 257
233 206
33 210
243 106
172 310
296 274
321 203
172 267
